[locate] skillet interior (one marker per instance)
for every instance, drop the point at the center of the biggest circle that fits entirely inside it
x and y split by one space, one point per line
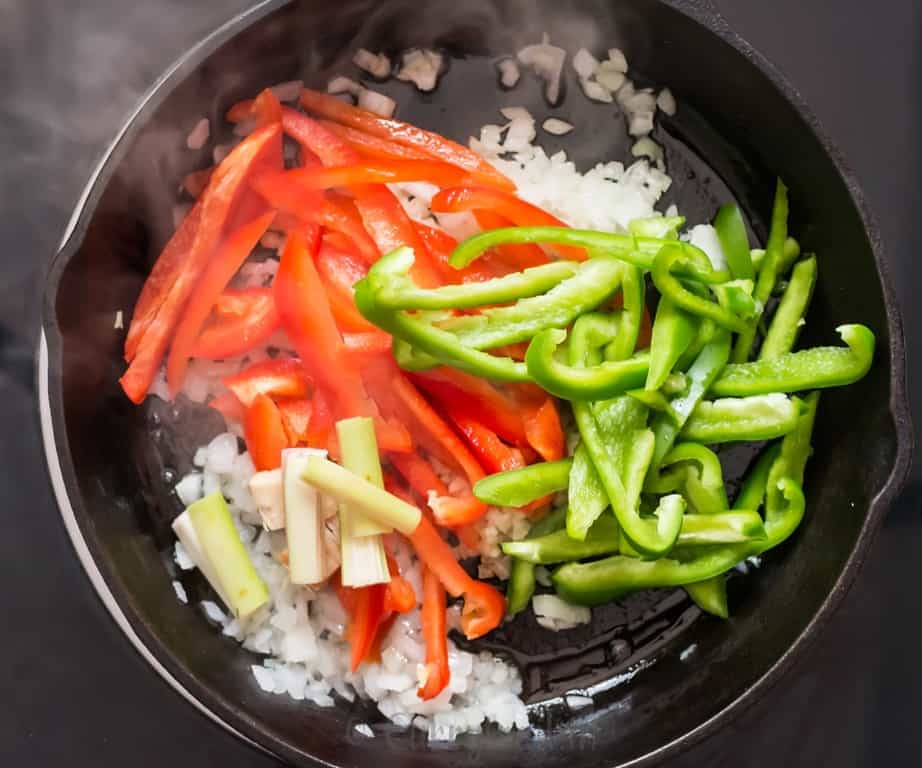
119 461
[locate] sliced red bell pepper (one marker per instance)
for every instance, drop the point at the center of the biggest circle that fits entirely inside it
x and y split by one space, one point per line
296 419
368 343
520 255
374 146
281 191
305 311
337 241
266 108
194 183
229 407
310 134
484 606
279 377
390 228
242 320
367 615
507 205
399 595
440 245
383 172
264 433
545 434
240 111
221 268
339 272
169 265
492 453
419 473
409 135
174 284
322 421
435 633
494 408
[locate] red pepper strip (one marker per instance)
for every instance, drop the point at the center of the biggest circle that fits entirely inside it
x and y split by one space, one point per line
507 205
494 455
264 433
383 172
168 267
229 407
456 511
296 419
339 272
403 133
281 191
309 133
390 228
195 182
374 653
374 146
368 343
483 605
302 304
267 108
399 594
435 634
545 435
336 241
440 244
243 320
171 294
220 270
239 111
521 255
468 535
494 408
367 615
321 423
281 377
419 474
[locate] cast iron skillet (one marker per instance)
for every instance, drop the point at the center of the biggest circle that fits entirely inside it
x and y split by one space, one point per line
662 675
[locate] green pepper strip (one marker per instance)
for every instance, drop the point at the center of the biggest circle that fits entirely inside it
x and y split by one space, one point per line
421 334
633 293
402 293
707 330
789 255
702 373
557 547
696 471
595 282
752 494
792 458
664 227
519 487
586 494
671 288
768 274
710 595
731 231
602 381
673 330
608 579
815 368
731 420
639 251
789 317
521 585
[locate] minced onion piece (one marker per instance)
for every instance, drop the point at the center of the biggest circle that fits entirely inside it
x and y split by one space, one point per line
553 613
508 73
303 519
547 62
557 127
520 135
610 79
376 102
516 113
220 545
646 147
491 137
342 84
585 64
375 64
288 91
641 123
421 67
618 59
199 134
596 91
666 102
119 320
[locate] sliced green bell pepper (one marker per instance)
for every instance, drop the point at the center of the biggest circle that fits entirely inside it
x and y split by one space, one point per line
789 316
732 419
710 596
631 316
521 584
557 547
673 330
519 487
731 231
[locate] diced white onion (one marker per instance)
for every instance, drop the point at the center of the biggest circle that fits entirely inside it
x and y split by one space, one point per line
646 147
189 489
520 135
641 124
199 134
553 613
618 60
421 67
610 79
547 62
508 73
666 102
343 85
596 91
557 127
288 91
375 64
377 102
585 64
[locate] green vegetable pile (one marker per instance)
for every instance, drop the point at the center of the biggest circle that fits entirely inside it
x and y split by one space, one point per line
646 418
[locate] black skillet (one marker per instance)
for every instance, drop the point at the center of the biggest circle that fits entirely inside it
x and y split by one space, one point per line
663 676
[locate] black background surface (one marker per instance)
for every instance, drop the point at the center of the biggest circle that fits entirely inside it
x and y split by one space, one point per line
75 693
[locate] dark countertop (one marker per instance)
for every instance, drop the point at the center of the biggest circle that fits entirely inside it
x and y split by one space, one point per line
77 694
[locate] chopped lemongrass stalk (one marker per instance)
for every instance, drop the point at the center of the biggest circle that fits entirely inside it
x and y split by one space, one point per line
363 560
185 532
346 486
359 449
303 519
266 490
221 547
